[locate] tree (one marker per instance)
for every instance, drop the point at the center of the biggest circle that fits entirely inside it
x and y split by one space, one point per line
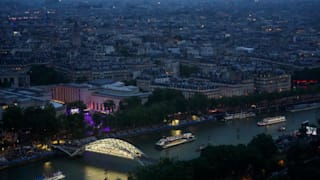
97 119
264 144
221 162
180 104
159 95
13 118
165 169
42 121
42 75
109 104
199 102
130 102
52 124
75 125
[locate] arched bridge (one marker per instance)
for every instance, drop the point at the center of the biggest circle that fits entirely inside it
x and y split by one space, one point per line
109 146
115 147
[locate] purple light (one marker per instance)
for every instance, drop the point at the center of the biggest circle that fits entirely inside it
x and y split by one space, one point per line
106 129
88 119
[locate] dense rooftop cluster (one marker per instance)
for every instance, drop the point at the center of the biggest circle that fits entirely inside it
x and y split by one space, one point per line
127 37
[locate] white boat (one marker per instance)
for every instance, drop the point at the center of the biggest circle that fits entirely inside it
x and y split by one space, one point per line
303 107
170 141
201 147
55 176
282 128
271 120
241 115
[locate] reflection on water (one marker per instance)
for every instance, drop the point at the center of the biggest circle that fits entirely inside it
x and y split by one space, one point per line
113 175
47 167
91 172
73 168
175 132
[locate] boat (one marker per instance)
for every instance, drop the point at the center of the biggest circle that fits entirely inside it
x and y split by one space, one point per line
303 107
170 141
200 148
282 128
241 115
54 176
271 120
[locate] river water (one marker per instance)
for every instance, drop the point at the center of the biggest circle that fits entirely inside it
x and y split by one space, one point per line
95 166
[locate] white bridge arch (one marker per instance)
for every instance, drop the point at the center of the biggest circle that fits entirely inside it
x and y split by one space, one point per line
114 147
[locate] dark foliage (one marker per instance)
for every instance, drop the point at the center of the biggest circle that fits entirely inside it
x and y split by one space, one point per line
42 75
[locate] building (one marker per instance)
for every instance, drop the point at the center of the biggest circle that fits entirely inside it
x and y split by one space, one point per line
273 83
95 93
116 75
14 79
27 97
67 93
22 97
144 83
189 87
244 49
172 68
245 87
213 92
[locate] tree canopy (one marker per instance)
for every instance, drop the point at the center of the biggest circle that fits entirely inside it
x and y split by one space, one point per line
41 121
13 117
42 75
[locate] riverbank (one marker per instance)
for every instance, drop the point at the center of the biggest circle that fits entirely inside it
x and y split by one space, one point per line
129 133
280 108
119 134
214 133
160 127
25 160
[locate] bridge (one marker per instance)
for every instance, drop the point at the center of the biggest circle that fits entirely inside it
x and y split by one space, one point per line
109 146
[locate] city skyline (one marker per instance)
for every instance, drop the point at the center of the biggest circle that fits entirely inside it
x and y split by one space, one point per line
198 89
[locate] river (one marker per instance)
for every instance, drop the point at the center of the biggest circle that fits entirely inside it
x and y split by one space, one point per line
96 166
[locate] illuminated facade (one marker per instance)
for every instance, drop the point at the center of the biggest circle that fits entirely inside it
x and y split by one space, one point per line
114 147
67 93
95 96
